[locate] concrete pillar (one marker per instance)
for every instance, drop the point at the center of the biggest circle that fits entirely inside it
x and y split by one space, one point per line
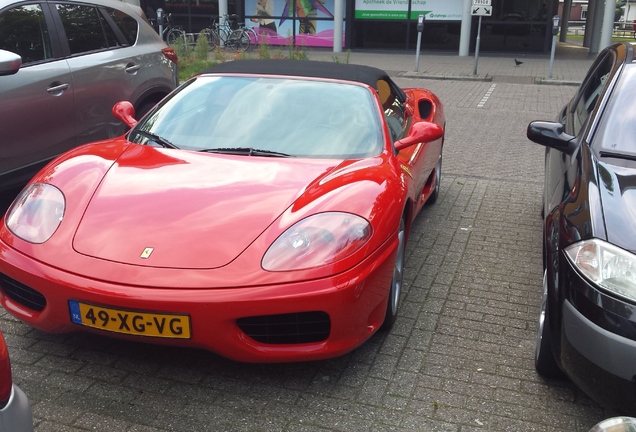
590 20
464 35
608 24
565 20
222 10
338 15
597 25
589 23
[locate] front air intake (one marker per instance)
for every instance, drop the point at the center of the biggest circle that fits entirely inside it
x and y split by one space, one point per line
22 294
292 328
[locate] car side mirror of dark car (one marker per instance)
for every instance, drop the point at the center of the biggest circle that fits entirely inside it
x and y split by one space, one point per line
9 63
420 132
125 112
551 134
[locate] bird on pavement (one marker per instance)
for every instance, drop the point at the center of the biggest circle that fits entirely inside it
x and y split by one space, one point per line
517 62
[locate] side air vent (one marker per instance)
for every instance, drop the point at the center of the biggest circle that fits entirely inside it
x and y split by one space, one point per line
425 107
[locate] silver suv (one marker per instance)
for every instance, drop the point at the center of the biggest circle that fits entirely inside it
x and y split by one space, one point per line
78 58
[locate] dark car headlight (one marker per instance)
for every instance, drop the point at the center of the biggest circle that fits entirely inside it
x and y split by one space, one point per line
317 240
36 213
605 265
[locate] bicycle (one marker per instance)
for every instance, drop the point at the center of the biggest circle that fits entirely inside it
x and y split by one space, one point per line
223 34
172 35
253 35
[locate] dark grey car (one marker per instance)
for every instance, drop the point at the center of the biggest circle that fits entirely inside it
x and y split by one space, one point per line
587 320
78 58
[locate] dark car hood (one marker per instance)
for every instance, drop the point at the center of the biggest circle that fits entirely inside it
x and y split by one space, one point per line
193 210
617 186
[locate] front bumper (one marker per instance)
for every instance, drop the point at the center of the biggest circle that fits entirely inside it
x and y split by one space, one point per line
16 415
355 302
598 343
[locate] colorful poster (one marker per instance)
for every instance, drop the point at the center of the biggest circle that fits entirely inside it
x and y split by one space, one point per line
292 22
439 10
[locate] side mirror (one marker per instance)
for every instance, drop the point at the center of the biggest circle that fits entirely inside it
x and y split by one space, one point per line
551 134
9 63
125 112
420 132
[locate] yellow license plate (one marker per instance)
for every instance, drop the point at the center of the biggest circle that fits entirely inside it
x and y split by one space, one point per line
172 326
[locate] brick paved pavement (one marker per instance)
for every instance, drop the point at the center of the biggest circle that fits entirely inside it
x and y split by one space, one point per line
571 63
460 357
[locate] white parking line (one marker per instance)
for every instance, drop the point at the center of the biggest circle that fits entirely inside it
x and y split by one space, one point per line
483 100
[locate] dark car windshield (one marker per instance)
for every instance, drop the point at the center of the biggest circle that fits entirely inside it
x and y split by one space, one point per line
291 117
617 129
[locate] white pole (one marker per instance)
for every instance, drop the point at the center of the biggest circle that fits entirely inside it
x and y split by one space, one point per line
552 56
477 46
338 15
464 34
608 24
222 11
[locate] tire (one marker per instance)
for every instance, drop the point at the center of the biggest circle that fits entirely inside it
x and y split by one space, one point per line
239 40
224 36
171 37
143 109
253 36
397 281
544 361
245 40
176 37
212 37
438 179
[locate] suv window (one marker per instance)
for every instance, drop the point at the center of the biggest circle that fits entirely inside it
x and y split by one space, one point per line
127 24
23 31
86 29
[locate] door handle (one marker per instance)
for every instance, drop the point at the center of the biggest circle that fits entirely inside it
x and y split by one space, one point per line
57 88
132 68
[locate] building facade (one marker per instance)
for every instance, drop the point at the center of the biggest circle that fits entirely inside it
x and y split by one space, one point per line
514 25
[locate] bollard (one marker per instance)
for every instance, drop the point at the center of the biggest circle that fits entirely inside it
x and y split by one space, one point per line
555 30
420 29
160 21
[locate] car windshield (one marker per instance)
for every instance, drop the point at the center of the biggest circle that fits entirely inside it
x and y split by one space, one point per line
267 117
617 130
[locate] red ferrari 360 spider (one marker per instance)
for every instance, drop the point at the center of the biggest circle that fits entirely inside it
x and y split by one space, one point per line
260 211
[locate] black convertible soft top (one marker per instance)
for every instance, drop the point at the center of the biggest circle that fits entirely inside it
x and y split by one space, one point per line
306 68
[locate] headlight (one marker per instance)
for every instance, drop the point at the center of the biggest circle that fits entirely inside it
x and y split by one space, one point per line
605 265
318 240
36 213
615 424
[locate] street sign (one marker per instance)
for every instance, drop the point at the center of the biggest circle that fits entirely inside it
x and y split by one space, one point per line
481 10
481 2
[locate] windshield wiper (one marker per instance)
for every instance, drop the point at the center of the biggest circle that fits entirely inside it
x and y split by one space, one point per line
626 156
157 139
247 151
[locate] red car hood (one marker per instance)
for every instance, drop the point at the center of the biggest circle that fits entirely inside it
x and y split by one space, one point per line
177 209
